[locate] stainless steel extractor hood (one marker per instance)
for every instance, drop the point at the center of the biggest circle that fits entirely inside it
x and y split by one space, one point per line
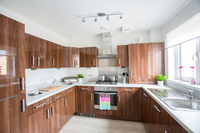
106 47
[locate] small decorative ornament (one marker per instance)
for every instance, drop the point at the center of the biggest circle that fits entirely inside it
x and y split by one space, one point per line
192 81
180 77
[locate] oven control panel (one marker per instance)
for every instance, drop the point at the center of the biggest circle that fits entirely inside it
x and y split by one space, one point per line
101 88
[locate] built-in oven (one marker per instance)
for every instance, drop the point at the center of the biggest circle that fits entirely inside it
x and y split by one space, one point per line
110 90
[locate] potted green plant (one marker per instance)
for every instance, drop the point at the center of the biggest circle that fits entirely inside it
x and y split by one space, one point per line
160 79
80 77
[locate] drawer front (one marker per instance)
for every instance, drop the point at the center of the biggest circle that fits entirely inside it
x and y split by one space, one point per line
126 90
37 106
67 91
85 88
56 97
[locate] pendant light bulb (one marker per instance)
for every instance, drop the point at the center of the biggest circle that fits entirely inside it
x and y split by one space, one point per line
95 20
120 17
83 20
107 18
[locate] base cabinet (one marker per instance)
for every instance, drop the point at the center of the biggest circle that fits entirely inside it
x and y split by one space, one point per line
13 117
156 119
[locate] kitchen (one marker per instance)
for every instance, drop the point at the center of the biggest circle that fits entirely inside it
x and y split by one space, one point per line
118 50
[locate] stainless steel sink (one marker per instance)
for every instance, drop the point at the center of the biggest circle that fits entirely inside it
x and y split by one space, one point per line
182 104
177 100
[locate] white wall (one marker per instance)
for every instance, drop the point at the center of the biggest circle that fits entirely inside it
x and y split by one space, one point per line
116 39
33 28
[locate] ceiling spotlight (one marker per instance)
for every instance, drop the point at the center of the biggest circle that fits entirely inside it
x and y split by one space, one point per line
107 18
95 19
120 17
83 20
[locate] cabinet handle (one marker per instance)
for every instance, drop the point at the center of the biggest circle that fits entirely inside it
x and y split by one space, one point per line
65 102
53 61
91 97
57 97
23 105
84 88
22 83
127 90
166 131
119 61
93 62
119 98
157 108
33 60
38 59
69 91
40 105
130 73
47 113
52 110
144 94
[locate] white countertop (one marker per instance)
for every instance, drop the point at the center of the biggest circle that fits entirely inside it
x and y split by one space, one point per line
188 119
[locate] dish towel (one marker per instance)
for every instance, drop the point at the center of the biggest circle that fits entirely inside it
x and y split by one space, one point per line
104 101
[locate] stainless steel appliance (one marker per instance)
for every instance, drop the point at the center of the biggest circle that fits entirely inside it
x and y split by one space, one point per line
101 77
110 90
106 82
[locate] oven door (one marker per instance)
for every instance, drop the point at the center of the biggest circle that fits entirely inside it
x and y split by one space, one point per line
113 99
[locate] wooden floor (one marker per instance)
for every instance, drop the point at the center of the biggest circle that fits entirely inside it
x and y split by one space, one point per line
82 124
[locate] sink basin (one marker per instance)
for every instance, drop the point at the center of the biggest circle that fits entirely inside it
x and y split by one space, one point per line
182 104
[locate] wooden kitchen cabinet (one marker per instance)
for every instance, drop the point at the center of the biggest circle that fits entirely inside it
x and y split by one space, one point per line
71 57
39 122
88 57
12 62
122 55
146 60
156 119
52 55
85 99
35 51
60 54
130 103
13 117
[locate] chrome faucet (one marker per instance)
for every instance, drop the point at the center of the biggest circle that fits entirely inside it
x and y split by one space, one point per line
191 94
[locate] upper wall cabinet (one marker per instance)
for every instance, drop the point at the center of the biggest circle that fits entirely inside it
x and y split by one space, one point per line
122 55
146 60
71 57
53 55
35 51
61 52
12 63
88 57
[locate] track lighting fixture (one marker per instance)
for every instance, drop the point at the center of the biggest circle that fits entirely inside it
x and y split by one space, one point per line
107 15
83 20
107 18
95 19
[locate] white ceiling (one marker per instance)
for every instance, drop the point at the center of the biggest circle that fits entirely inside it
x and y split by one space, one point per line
62 16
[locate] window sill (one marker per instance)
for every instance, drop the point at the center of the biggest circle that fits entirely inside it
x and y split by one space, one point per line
184 84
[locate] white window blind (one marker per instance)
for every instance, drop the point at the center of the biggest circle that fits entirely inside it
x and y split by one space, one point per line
188 30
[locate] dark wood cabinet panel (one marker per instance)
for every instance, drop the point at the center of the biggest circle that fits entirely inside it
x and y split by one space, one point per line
122 55
12 62
156 119
68 57
13 115
145 61
75 57
88 57
130 103
35 51
39 122
61 56
52 57
84 99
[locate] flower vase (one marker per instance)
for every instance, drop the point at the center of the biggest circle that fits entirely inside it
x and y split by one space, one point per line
192 81
180 77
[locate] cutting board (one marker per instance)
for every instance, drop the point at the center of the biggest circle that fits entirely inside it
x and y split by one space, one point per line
50 88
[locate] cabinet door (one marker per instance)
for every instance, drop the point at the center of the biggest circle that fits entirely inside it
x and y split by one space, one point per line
145 61
39 122
75 57
49 55
13 115
85 102
61 56
42 58
73 102
68 57
122 55
12 62
83 57
56 115
92 53
130 103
